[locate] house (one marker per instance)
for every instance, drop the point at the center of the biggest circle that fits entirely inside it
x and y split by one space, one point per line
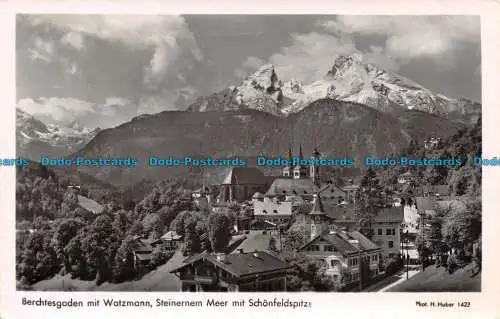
436 190
272 210
386 226
406 178
171 240
203 197
282 187
255 271
351 191
142 253
240 183
350 256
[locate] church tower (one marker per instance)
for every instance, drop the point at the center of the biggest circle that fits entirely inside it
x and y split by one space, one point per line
317 217
300 171
314 170
288 169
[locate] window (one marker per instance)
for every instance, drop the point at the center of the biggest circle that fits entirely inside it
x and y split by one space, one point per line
393 232
328 248
391 255
334 263
390 244
388 232
335 277
380 231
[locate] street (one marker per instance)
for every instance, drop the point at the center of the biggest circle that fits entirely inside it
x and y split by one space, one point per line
391 281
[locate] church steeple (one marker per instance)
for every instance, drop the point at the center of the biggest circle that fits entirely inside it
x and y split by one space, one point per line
288 170
300 171
314 173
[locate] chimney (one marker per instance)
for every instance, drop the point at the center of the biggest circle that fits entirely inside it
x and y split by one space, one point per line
240 251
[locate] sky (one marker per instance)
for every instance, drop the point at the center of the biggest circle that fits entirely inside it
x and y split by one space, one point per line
104 70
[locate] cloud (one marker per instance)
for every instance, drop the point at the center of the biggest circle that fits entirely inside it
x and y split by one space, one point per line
59 109
73 40
310 56
168 37
112 112
411 37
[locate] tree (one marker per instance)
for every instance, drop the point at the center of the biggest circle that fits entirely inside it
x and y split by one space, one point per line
65 231
219 231
463 226
294 240
369 201
123 268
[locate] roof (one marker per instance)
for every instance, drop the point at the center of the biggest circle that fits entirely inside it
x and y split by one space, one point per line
90 205
245 176
258 195
340 241
245 264
317 206
364 242
171 235
350 187
269 208
437 189
143 246
143 256
290 186
391 214
426 203
255 240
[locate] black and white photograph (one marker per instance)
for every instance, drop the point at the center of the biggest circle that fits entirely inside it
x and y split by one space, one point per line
248 153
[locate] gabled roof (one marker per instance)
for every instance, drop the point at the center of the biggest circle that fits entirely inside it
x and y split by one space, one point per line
171 235
290 186
426 203
245 176
340 241
241 265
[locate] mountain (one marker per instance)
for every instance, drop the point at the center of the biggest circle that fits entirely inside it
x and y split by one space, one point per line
34 138
260 91
336 128
348 80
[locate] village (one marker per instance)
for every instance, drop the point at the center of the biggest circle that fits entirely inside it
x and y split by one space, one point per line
297 213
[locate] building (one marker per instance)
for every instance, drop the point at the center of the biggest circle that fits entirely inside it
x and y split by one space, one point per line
386 226
171 240
436 190
142 253
240 183
256 271
272 210
406 178
351 191
347 256
203 198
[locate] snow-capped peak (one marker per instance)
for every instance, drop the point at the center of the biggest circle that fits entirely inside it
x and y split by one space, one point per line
350 79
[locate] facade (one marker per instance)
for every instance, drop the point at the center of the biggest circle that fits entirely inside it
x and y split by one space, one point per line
142 253
240 183
256 271
171 240
406 178
349 256
272 210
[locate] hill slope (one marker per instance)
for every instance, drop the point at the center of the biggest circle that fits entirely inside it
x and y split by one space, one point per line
335 128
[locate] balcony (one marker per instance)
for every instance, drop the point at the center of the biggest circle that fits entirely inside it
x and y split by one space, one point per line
199 279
